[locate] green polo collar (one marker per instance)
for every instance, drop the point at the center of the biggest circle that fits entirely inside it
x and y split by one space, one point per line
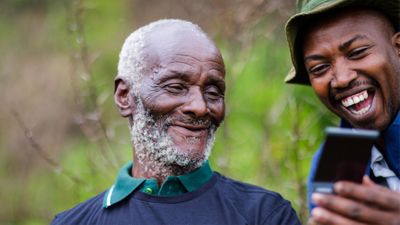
172 186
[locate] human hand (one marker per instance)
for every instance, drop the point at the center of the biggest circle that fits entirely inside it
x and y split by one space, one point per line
366 203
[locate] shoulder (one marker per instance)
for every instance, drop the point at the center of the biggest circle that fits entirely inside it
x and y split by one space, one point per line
256 202
244 190
81 213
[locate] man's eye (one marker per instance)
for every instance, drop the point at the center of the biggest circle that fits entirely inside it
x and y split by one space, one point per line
318 69
213 93
175 88
357 53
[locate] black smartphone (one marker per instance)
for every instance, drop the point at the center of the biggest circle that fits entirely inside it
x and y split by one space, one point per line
345 156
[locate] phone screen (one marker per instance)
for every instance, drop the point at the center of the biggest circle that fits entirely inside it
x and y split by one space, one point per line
345 155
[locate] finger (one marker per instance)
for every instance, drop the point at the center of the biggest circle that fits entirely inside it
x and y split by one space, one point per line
350 209
311 222
371 194
367 181
323 216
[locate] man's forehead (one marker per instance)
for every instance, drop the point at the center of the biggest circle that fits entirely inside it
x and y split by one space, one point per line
181 43
177 35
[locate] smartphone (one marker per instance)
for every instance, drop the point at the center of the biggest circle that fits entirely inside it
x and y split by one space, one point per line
345 156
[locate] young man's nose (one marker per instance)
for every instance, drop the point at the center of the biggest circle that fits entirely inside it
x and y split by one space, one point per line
343 75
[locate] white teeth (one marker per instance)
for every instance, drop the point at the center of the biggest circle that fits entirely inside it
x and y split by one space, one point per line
351 101
354 99
361 111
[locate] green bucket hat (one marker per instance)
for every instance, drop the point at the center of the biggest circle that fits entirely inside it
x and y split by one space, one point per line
312 8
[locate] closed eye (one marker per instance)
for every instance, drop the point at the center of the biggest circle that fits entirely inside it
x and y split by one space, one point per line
358 52
175 88
318 69
213 93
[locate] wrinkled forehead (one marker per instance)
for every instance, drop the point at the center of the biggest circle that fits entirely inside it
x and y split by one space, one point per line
177 39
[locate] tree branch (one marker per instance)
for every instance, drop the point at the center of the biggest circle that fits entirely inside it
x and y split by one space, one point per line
41 152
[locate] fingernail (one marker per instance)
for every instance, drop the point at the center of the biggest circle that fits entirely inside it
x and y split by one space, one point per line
317 198
316 213
338 187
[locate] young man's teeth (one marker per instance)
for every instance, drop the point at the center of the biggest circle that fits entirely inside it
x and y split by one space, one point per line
347 102
360 112
354 99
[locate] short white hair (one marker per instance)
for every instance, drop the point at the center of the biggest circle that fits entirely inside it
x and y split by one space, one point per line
132 61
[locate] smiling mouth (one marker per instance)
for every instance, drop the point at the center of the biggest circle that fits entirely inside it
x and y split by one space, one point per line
359 103
190 130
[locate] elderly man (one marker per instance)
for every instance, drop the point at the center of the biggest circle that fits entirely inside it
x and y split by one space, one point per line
170 85
349 52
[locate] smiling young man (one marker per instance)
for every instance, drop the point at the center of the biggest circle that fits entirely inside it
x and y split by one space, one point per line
349 52
170 85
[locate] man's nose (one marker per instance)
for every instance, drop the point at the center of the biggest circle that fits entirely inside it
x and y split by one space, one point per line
195 105
343 75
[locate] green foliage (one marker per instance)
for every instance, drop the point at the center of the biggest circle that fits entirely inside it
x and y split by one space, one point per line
270 131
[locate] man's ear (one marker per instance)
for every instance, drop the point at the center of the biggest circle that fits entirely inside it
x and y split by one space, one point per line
396 42
123 99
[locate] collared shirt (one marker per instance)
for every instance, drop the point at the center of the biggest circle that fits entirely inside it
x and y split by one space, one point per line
221 200
125 184
381 169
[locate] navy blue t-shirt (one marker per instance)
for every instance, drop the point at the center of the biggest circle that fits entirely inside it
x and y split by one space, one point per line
220 201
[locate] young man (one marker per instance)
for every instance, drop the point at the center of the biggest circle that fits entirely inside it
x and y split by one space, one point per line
170 85
349 52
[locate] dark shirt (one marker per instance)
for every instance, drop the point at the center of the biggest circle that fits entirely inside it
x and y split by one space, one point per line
220 200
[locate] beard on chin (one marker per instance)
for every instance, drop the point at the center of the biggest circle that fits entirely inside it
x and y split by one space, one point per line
154 147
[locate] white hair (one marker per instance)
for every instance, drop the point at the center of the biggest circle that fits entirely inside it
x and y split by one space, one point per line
132 58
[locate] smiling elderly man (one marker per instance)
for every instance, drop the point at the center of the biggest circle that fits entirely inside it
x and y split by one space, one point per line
170 85
349 52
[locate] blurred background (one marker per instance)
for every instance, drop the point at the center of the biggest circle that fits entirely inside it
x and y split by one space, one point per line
62 140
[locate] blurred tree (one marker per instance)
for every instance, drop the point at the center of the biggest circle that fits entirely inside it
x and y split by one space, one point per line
59 61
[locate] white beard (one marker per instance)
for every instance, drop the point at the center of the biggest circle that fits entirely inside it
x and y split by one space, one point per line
156 148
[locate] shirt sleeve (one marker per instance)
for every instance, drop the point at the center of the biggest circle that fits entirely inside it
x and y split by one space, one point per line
311 175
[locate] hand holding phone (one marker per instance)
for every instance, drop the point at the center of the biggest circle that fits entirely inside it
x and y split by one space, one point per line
345 156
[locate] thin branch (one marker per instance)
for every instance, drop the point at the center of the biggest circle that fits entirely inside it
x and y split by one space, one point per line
296 160
84 59
41 152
